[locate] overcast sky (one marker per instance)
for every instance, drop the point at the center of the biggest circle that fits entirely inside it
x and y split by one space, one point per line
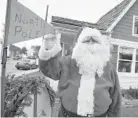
84 10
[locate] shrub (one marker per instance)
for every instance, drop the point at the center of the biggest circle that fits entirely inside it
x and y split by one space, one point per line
18 91
131 93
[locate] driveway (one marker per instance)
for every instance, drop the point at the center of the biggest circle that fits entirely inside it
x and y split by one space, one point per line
11 69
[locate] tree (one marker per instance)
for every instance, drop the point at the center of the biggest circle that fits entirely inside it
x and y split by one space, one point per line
18 91
24 50
36 50
13 50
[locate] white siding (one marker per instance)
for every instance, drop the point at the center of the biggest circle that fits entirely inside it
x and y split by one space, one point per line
128 81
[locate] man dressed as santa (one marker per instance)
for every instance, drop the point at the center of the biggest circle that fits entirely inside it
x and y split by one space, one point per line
88 83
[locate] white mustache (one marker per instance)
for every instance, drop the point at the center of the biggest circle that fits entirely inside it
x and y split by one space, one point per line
90 58
90 40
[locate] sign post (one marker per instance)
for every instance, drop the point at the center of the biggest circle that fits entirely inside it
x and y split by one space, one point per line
4 58
46 16
47 8
35 103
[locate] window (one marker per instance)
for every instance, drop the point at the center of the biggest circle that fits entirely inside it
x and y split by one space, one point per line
66 49
62 46
125 59
136 66
135 26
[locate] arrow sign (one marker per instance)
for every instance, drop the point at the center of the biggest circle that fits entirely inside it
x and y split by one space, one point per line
25 25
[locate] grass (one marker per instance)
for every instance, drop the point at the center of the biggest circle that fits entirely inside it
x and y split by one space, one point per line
130 111
127 110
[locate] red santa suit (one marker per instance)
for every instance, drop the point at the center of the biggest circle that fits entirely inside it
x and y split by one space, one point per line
88 83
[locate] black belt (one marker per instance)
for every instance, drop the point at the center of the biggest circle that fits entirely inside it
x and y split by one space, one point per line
67 113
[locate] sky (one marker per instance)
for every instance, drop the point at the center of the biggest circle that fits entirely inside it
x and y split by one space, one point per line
83 10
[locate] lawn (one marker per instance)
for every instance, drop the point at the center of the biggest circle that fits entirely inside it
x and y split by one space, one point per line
130 112
129 108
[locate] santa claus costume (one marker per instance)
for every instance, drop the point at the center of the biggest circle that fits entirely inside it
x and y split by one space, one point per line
88 83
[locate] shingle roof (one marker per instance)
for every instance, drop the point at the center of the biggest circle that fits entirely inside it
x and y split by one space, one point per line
106 21
72 24
75 23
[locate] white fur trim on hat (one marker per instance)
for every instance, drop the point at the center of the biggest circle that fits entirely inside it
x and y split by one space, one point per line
49 36
47 54
90 32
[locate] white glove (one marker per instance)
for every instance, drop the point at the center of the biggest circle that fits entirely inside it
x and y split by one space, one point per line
50 46
51 40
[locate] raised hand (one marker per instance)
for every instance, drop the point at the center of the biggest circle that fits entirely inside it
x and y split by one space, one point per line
49 41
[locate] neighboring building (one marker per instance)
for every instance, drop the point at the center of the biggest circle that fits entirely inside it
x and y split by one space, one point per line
13 51
120 25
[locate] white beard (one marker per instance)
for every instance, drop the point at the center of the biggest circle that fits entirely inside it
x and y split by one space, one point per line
90 59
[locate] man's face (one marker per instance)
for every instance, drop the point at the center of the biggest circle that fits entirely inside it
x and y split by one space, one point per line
91 44
50 41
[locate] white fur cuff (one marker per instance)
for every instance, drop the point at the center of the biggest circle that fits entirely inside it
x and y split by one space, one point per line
47 54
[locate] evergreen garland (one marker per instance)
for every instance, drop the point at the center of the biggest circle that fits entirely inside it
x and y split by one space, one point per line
18 91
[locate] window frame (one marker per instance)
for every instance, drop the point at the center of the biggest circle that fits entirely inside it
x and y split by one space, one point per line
133 61
63 48
133 26
136 61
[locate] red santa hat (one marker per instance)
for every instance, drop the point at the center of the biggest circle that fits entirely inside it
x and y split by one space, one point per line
49 36
96 35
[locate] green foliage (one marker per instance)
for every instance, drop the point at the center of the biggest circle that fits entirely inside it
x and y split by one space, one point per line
24 50
18 91
35 49
131 93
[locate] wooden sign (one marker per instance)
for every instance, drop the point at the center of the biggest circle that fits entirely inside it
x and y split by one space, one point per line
25 25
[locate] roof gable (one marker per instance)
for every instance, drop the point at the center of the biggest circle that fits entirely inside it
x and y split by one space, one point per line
110 19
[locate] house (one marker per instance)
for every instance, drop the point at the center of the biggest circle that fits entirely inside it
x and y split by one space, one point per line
122 23
13 51
120 26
